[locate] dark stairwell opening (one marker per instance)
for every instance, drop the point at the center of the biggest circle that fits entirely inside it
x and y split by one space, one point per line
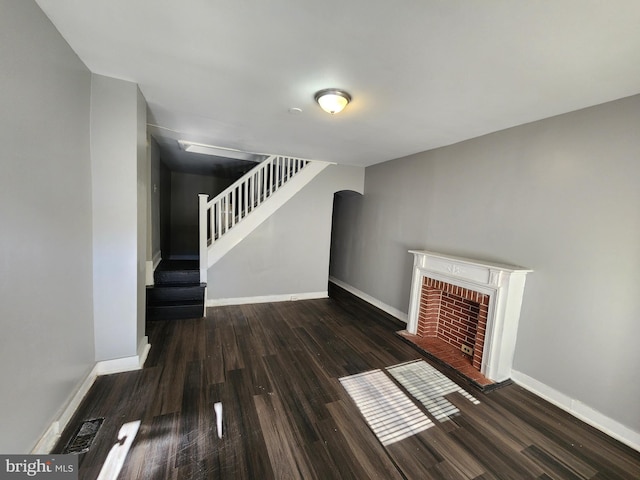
177 292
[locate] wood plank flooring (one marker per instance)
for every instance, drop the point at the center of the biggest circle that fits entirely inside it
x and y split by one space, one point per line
275 368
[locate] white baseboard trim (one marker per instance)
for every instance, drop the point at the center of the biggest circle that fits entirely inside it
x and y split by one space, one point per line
143 351
125 364
48 440
157 258
289 297
394 312
150 268
579 410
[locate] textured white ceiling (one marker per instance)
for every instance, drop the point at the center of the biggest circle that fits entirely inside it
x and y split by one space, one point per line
423 73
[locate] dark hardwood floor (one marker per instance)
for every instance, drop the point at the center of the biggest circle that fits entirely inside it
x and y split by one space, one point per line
275 368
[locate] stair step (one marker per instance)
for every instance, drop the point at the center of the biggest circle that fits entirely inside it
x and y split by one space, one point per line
175 292
173 277
176 303
174 311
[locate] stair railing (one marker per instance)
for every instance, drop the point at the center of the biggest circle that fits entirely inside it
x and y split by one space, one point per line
223 212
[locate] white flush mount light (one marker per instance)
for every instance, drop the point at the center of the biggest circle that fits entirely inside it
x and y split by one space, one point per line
202 148
332 100
216 151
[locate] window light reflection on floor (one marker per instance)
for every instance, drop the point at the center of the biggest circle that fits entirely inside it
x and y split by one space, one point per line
387 410
218 409
429 386
118 453
390 412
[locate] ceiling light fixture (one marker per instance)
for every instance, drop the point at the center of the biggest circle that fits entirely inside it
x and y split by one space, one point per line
217 151
332 100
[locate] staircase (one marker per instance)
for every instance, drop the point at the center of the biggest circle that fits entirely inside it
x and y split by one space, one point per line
234 213
177 293
179 290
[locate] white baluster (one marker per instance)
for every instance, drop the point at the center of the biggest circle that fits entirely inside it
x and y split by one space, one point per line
232 204
253 192
263 191
203 199
245 192
218 230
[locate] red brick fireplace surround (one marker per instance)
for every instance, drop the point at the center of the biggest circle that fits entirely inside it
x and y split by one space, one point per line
470 305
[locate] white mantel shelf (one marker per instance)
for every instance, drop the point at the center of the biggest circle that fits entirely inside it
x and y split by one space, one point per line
503 283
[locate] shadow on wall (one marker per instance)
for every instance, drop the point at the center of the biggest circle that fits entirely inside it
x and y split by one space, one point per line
182 214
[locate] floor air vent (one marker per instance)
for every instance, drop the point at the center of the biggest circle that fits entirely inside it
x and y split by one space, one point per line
83 438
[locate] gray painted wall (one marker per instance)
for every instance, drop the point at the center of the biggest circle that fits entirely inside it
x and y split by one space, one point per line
165 210
153 225
185 188
560 196
289 252
143 179
119 234
46 309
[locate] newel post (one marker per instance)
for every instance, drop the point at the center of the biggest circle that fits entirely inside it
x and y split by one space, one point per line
203 199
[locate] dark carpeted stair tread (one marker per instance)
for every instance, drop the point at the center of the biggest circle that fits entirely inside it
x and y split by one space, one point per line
177 293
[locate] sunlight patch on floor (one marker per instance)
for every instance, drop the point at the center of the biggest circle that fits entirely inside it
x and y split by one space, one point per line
429 387
389 412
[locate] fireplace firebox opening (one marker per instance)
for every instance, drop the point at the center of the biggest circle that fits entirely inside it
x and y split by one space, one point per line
455 315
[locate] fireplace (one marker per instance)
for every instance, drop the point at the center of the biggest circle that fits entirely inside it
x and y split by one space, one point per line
472 305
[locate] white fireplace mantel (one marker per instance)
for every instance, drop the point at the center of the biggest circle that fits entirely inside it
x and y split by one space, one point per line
503 283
